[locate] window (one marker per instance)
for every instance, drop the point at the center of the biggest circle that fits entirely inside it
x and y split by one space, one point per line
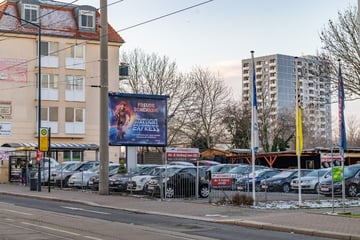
49 87
75 88
74 120
76 51
49 114
49 81
49 48
75 56
50 118
31 13
87 19
74 115
74 82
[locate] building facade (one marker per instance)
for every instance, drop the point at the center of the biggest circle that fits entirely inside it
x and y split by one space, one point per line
276 91
69 67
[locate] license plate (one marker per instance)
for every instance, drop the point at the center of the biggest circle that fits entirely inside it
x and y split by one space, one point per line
91 182
240 188
130 185
264 186
324 189
151 187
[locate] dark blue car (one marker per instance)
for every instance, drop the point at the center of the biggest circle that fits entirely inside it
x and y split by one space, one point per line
281 181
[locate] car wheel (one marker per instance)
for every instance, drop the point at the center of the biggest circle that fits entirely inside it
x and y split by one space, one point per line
66 182
257 188
317 188
204 191
170 192
352 191
286 188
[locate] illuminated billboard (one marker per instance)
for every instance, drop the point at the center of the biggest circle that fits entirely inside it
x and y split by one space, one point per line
137 120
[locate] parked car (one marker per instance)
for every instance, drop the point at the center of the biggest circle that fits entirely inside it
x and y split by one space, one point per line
93 182
180 183
44 169
245 183
61 177
310 182
205 163
281 181
352 182
119 181
80 179
222 168
182 163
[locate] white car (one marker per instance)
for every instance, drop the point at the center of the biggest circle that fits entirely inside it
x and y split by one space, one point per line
61 177
44 169
81 179
137 183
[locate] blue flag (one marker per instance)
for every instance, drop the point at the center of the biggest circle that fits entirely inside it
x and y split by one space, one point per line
341 107
254 129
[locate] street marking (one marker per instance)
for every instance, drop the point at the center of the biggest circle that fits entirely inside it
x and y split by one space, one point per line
215 215
27 214
49 228
86 210
93 238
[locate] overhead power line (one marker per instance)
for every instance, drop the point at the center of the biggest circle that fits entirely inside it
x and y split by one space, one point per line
164 16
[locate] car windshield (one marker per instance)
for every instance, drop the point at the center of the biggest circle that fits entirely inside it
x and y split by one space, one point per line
74 166
241 169
113 171
145 170
350 171
284 174
94 168
317 173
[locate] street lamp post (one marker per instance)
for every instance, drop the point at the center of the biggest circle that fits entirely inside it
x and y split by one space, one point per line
39 85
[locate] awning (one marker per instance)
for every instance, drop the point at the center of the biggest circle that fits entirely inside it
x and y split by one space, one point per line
56 146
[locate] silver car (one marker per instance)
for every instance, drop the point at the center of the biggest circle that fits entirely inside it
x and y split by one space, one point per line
310 182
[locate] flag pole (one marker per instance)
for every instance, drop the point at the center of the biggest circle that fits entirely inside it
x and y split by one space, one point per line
254 127
298 129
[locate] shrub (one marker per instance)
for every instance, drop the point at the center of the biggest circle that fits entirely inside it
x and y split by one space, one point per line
242 199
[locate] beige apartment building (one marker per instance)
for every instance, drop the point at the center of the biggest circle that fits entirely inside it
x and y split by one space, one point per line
69 69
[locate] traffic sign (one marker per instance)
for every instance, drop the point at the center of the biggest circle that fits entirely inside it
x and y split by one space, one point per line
44 140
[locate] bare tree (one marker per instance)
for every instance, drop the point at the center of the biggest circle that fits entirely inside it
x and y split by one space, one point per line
353 131
154 74
206 110
341 41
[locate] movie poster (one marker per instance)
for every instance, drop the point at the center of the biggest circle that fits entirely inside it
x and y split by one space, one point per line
137 120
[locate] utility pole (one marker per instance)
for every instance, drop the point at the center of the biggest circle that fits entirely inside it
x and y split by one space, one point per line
104 123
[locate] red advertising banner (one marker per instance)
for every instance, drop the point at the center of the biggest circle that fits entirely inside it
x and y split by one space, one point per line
221 180
182 154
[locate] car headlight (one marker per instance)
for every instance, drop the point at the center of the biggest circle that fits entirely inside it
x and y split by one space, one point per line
337 183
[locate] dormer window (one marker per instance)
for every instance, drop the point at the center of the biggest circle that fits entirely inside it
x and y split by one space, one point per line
87 19
31 13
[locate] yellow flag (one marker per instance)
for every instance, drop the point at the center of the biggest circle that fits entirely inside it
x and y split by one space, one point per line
299 137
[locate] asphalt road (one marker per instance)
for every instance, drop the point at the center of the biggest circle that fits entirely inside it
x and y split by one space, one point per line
26 218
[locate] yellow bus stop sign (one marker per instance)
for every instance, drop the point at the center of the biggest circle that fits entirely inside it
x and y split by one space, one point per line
44 140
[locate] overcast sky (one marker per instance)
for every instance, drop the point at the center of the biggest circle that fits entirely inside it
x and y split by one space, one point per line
218 34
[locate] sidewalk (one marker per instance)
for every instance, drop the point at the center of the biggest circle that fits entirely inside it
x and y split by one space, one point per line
314 222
